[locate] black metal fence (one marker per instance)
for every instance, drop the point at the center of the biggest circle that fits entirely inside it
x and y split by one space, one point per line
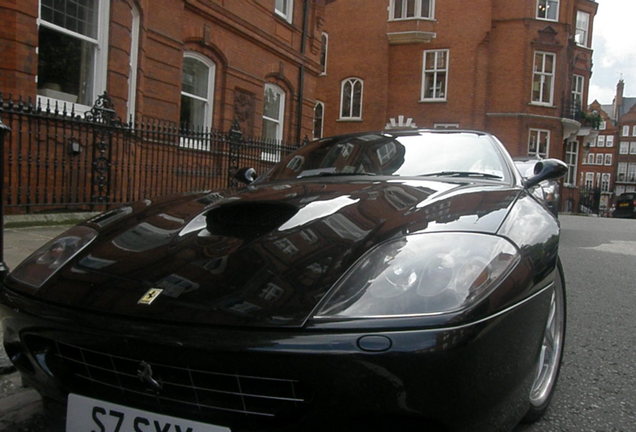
57 160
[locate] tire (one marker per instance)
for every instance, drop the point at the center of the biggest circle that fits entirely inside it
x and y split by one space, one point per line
551 353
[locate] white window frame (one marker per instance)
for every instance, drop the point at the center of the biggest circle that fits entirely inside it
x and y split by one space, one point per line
539 134
571 159
351 82
578 82
600 141
589 180
634 130
435 72
632 147
418 12
280 121
626 130
609 141
322 120
608 159
209 99
133 61
547 5
621 171
284 9
631 173
590 159
542 77
599 159
606 178
324 52
623 148
582 32
100 65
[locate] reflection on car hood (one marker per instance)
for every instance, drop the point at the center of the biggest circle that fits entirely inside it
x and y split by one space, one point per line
271 251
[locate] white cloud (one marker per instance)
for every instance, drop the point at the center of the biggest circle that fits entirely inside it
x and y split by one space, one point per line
614 49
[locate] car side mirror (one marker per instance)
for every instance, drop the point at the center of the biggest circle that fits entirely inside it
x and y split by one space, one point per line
547 169
246 175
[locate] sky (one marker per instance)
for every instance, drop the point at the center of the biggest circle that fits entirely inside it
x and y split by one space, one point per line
614 50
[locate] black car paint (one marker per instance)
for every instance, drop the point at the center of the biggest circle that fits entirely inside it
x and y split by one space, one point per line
455 375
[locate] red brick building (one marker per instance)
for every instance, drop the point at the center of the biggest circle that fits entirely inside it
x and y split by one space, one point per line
204 63
620 128
517 68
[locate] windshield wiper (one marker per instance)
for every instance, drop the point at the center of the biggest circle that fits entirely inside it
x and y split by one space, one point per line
461 174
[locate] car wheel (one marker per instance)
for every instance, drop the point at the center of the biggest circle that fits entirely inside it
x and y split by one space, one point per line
549 360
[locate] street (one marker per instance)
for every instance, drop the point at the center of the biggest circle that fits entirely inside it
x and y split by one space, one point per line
597 388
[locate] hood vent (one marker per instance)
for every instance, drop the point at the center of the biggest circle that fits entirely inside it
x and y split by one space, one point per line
248 219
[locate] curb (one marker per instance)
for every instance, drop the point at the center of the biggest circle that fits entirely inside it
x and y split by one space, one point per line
20 405
17 221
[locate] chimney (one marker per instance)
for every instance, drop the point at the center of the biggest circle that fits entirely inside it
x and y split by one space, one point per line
618 101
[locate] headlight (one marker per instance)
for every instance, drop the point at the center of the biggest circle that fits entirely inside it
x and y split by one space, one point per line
43 263
421 274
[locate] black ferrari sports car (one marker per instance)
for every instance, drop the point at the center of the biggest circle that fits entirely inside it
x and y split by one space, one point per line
371 281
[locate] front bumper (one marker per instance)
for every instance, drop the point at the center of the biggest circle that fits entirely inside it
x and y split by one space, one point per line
471 377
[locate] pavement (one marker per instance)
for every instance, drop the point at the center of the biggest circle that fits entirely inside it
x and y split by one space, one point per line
21 407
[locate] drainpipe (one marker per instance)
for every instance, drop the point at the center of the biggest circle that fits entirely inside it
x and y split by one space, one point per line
301 73
4 270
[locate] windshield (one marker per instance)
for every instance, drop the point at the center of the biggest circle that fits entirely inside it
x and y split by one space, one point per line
457 154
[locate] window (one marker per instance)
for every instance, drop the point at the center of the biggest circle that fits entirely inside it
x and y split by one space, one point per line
621 171
324 49
608 159
72 51
273 112
410 9
590 159
351 99
548 9
631 172
285 9
600 141
602 125
599 158
625 130
624 148
543 78
319 112
582 28
434 75
132 64
539 143
577 93
609 141
632 147
571 159
589 180
197 90
605 182
633 130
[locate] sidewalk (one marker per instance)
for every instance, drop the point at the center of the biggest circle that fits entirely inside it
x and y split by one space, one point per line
17 403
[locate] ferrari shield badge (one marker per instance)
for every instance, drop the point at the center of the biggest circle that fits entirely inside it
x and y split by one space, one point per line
149 296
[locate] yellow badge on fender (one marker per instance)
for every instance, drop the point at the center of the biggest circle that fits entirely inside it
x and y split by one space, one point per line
150 296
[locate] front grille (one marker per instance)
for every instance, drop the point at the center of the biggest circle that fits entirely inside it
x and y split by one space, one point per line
180 387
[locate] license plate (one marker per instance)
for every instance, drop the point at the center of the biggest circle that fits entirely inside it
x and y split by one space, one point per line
85 414
623 204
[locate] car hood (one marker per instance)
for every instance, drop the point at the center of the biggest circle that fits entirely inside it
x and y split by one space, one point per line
263 256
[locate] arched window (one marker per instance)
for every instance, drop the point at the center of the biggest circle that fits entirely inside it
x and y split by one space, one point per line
273 112
319 112
324 51
351 99
197 91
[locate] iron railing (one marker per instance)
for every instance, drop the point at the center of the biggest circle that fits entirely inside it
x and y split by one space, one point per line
58 160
